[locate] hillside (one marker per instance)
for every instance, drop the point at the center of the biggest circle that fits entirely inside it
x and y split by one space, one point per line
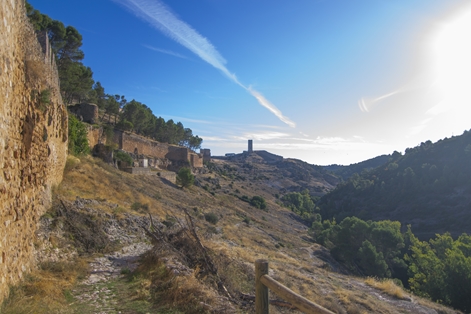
428 187
346 172
91 238
288 175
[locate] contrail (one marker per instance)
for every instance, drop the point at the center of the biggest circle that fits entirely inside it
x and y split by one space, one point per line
168 52
160 17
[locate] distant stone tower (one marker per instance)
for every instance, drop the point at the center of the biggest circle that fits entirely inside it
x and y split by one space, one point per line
250 146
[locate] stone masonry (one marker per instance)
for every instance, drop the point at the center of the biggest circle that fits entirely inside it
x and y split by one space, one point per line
85 112
139 145
33 139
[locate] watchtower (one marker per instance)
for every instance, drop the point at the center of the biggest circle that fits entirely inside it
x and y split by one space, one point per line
250 146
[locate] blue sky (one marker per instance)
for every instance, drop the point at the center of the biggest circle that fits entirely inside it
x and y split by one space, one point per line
323 81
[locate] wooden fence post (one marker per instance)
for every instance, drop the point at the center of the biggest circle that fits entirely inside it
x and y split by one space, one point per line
261 291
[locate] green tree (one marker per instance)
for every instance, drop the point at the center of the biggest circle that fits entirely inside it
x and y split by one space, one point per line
78 141
99 95
367 247
76 82
441 269
259 202
185 178
75 79
124 125
371 261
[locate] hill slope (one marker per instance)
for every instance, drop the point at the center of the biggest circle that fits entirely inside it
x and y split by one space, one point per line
98 210
346 172
428 187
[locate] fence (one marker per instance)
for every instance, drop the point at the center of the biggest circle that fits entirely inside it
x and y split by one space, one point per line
263 282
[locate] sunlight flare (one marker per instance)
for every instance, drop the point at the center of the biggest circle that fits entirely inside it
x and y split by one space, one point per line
452 53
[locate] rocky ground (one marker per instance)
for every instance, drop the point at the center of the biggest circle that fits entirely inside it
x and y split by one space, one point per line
98 292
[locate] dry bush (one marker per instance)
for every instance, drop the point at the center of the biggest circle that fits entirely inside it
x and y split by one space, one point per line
176 293
387 286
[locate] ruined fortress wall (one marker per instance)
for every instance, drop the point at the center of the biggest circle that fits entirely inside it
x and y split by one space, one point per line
178 153
33 139
206 152
133 143
130 142
196 160
95 136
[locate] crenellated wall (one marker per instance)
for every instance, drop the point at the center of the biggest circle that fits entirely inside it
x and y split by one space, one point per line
33 139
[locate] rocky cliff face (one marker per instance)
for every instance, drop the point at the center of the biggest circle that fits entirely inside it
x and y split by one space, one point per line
33 139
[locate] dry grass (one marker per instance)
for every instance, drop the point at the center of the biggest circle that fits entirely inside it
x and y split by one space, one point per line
91 178
387 286
185 294
45 290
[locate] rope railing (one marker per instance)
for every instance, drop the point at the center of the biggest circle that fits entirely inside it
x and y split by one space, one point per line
263 282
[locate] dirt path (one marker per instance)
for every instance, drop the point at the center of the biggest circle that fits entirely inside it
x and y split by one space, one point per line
100 292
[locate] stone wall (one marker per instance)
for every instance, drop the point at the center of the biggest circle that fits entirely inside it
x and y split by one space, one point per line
139 171
85 112
139 145
133 143
95 135
176 153
196 161
206 153
168 175
33 139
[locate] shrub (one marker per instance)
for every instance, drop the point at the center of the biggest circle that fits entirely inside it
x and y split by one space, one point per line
185 178
136 206
211 218
108 130
259 202
169 221
123 156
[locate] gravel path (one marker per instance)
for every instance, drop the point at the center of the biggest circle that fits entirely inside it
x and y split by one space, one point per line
95 294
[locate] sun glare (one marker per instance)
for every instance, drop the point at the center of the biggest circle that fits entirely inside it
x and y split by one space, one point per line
452 53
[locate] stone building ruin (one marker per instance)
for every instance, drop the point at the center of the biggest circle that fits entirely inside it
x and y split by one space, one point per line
145 152
85 112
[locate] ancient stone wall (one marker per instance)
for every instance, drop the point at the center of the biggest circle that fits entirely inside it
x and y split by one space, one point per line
196 161
168 175
33 139
206 153
85 112
139 145
134 143
95 135
178 153
139 171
